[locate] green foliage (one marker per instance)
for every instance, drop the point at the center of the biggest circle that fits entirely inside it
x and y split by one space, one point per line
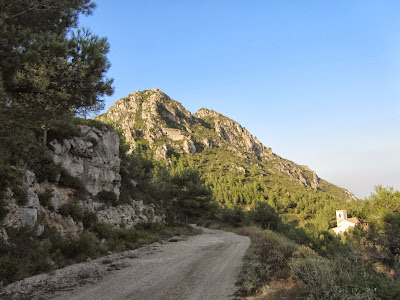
273 257
70 181
235 217
45 197
46 169
72 209
266 259
265 216
346 276
26 254
21 195
379 241
46 68
90 122
3 210
108 198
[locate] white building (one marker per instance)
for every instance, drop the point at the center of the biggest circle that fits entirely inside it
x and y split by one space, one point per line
344 223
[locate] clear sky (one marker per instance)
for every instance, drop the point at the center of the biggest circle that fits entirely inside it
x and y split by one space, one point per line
317 81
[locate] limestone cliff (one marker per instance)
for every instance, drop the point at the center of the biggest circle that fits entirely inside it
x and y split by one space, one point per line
93 158
152 118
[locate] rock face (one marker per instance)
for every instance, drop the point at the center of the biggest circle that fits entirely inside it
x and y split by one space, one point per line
93 158
152 115
129 215
152 118
33 215
234 133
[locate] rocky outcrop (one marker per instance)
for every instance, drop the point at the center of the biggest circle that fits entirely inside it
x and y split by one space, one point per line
152 115
234 133
129 215
92 157
302 174
149 115
35 215
32 214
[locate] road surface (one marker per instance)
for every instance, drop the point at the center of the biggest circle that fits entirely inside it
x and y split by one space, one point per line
202 267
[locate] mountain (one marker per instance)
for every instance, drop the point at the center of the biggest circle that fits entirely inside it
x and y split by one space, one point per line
237 166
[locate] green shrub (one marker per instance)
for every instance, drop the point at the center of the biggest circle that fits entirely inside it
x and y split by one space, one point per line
346 276
89 219
3 210
45 197
24 256
79 248
233 217
316 272
90 122
70 181
63 129
71 209
46 169
107 197
266 259
20 195
264 215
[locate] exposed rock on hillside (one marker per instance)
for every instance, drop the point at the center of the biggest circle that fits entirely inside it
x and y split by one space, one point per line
153 119
234 133
93 157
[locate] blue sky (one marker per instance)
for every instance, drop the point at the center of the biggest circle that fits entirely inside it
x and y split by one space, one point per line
318 81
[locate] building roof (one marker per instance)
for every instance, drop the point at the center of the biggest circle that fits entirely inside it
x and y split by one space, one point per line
353 220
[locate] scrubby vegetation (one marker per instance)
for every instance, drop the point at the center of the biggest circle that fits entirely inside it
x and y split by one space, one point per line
309 264
26 254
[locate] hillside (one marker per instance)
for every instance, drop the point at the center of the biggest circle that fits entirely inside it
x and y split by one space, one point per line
236 165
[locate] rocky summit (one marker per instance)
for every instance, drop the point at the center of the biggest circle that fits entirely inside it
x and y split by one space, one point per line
215 143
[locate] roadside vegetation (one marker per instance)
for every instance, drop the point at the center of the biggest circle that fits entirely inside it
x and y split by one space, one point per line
287 261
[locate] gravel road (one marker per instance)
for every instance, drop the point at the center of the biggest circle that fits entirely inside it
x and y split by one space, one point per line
199 267
202 267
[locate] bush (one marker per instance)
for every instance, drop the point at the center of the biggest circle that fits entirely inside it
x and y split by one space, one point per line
108 198
79 248
264 215
89 219
20 195
63 129
266 259
70 181
90 123
234 217
3 210
71 209
315 272
46 169
45 197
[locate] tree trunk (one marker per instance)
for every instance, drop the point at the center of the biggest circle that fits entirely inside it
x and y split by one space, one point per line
44 143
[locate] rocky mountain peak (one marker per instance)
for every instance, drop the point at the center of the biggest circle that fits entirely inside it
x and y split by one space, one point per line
152 118
164 124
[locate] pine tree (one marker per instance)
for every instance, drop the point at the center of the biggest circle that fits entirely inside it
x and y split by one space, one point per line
47 70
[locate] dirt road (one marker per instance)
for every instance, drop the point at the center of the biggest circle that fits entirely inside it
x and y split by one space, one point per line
202 267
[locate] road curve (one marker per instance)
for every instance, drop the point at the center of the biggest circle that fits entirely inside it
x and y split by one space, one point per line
202 267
